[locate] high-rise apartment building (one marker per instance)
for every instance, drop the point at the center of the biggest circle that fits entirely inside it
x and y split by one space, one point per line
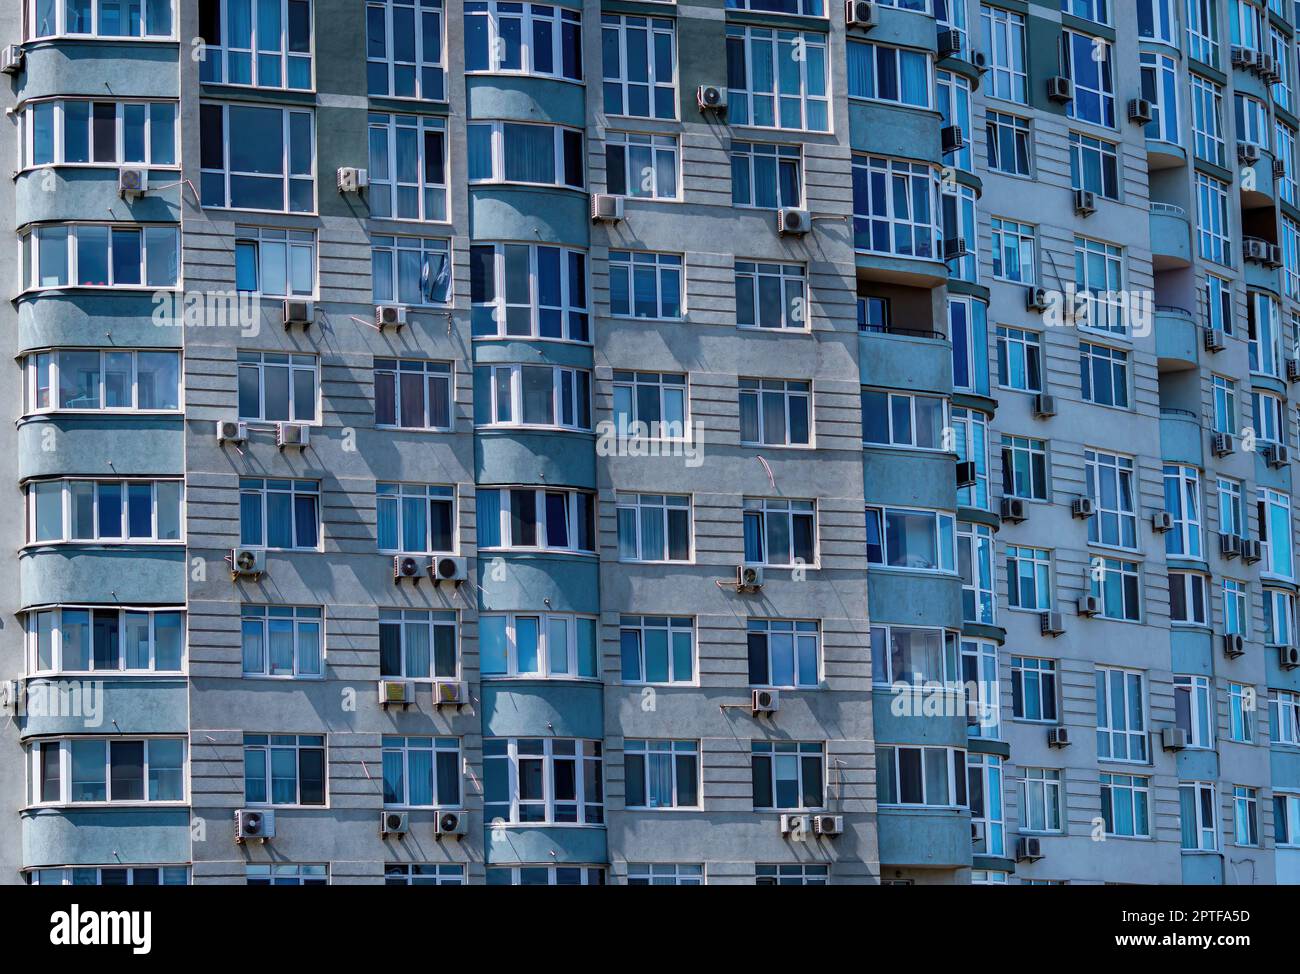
762 441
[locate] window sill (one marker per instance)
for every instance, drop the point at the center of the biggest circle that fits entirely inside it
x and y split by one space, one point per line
98 675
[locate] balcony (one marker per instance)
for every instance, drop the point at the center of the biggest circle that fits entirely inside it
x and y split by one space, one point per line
901 358
1178 339
1171 237
1180 437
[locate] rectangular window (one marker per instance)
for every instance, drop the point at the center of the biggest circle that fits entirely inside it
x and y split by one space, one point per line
1183 504
110 876
661 774
880 72
1279 617
100 255
547 781
1126 806
1213 230
775 412
1099 276
650 404
664 874
903 419
1160 87
1033 689
1004 47
1194 709
98 770
780 532
254 157
265 47
410 270
286 874
1087 61
283 514
1241 713
1008 144
1245 815
1275 532
639 66
408 167
934 776
415 518
275 263
414 394
901 654
284 769
1024 467
1118 584
421 772
424 874
641 166
953 95
535 518
765 175
507 37
525 153
1040 800
1284 151
415 644
1268 417
546 875
895 208
1284 719
1286 820
100 18
771 296
1094 165
1029 578
71 639
1225 404
1020 359
1263 320
910 539
975 565
1199 815
783 653
70 132
282 640
528 291
970 429
105 511
657 649
1236 607
654 527
93 380
1218 304
777 79
646 285
788 775
405 56
1103 375
1208 142
1121 715
551 646
532 395
1013 251
793 875
278 387
1202 31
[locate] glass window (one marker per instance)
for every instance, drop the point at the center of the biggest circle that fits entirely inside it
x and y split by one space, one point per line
408 167
415 644
639 67
284 769
405 56
657 649
414 394
266 44
777 79
270 165
538 646
783 653
282 641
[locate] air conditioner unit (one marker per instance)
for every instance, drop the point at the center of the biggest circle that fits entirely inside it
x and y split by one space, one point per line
948 44
797 826
1044 405
1288 657
451 825
1140 111
1255 249
980 61
1058 737
257 824
605 208
1214 340
1060 89
132 183
247 561
1233 645
1173 738
1089 605
407 566
1162 521
792 220
449 568
1229 545
765 702
1083 507
952 139
352 180
293 435
1293 370
1267 66
1028 849
11 59
1013 510
396 693
1085 202
1251 550
450 693
955 248
394 823
711 98
1277 455
11 695
1051 623
298 313
749 578
858 13
1242 57
1279 169
231 431
967 474
828 824
390 316
1221 444
1247 152
1274 255
1036 299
